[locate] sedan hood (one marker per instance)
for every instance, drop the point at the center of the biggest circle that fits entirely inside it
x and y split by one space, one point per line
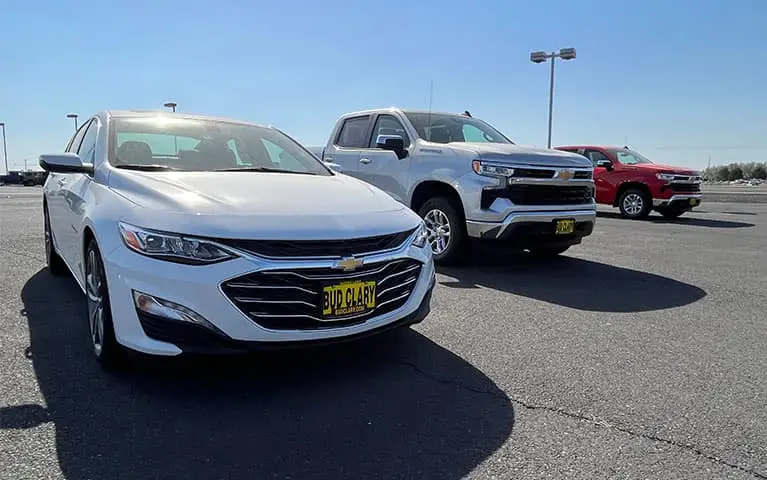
260 205
502 152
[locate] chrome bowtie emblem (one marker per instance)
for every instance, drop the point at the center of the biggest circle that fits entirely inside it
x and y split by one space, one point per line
348 264
565 173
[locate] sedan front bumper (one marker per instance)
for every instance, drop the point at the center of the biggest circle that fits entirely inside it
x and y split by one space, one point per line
198 289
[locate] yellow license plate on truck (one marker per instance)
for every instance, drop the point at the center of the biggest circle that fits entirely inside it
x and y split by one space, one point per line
348 298
564 227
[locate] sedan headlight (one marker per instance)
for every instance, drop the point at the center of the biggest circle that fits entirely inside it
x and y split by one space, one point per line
490 170
171 246
666 177
421 236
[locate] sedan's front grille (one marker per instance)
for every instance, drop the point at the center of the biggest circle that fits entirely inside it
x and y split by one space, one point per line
293 298
319 248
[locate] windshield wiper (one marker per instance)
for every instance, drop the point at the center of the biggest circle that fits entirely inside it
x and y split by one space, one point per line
261 169
145 168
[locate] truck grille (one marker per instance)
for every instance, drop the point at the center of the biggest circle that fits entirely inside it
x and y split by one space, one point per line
319 248
528 194
292 299
547 173
685 187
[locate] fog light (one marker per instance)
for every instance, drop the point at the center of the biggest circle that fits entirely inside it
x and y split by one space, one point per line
169 310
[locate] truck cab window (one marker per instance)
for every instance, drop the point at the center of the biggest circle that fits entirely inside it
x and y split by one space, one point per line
352 134
388 125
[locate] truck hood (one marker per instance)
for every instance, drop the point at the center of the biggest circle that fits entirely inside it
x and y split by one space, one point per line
658 168
502 152
259 205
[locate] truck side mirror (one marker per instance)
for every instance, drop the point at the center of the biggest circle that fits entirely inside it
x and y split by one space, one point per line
395 143
605 164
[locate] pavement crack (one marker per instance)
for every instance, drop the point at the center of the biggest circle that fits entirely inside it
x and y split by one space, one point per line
584 418
654 438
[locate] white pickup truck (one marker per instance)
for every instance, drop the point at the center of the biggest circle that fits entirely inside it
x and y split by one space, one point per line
467 180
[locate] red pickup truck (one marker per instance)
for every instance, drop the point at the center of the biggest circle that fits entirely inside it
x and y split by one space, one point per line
629 181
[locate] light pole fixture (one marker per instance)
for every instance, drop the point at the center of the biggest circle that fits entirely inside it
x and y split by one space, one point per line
540 57
5 149
73 116
171 105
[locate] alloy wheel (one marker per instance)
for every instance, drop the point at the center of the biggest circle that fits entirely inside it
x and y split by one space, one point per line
633 204
93 285
437 231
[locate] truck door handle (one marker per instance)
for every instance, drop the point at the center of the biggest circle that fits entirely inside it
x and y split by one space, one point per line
365 160
328 159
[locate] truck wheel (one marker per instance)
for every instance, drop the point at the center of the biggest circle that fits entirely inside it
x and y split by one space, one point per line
446 229
635 203
670 212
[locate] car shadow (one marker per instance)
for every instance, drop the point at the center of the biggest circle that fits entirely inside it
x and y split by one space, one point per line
396 406
571 282
693 221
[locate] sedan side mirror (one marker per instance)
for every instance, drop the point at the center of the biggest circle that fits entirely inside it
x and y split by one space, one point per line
395 143
67 162
605 164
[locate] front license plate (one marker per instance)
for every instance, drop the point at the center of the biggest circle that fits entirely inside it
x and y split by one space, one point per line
348 298
693 201
565 227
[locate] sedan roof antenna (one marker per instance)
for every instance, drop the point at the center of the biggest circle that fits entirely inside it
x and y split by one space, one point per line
466 113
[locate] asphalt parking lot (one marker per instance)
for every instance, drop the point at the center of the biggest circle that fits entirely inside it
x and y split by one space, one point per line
640 354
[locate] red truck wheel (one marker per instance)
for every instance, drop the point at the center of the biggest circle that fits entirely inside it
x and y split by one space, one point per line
635 203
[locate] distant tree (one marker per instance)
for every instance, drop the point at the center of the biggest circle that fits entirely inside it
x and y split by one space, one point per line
736 171
723 174
760 172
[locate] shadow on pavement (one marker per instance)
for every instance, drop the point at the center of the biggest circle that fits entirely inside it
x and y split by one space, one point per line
398 406
696 222
572 282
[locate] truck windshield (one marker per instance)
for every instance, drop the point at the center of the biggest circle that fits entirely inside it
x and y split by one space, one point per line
445 128
629 157
160 143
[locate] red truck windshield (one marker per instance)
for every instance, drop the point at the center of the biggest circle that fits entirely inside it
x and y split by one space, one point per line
629 157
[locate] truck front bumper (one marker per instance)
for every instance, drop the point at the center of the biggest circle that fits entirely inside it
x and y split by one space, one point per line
684 201
535 229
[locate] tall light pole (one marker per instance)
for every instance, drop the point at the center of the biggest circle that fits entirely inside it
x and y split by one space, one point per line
73 116
540 57
5 149
171 105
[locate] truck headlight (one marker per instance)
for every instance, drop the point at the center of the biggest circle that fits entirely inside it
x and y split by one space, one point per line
490 170
421 236
172 247
666 177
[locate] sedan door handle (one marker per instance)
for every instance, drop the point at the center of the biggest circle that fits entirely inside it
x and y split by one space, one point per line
365 160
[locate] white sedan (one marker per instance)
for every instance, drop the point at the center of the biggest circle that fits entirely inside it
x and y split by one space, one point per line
200 234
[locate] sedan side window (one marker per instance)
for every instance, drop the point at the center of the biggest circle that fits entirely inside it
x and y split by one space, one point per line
87 151
388 125
352 134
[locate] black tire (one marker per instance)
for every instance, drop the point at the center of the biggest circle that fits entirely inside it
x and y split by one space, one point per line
635 203
104 345
671 213
54 262
458 239
548 251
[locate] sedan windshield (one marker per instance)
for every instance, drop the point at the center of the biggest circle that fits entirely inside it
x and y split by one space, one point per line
445 128
162 143
629 157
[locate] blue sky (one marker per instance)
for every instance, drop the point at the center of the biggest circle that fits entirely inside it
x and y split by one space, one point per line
679 80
